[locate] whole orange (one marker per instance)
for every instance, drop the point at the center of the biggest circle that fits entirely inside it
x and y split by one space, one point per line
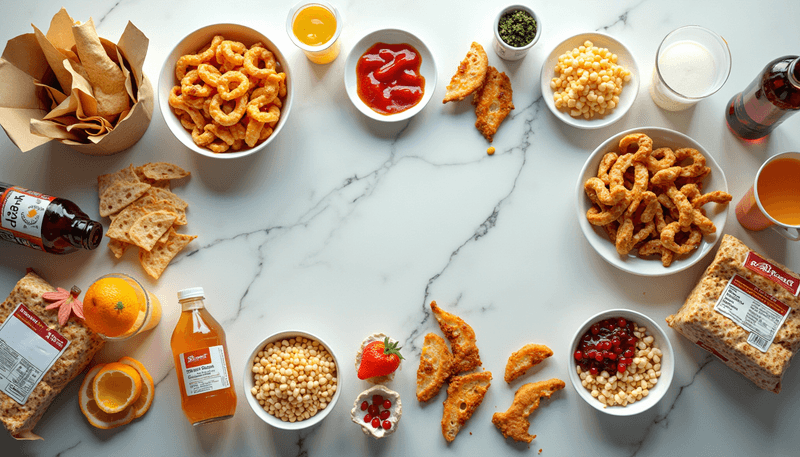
111 306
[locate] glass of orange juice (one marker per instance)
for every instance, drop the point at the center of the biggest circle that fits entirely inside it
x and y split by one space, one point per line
315 27
774 199
117 306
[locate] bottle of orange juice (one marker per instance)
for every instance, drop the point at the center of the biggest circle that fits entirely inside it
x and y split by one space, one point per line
201 362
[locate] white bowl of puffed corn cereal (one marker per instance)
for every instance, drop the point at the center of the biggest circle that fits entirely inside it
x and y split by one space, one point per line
621 362
590 80
292 380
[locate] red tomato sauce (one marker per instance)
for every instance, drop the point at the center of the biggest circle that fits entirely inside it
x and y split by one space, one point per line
389 81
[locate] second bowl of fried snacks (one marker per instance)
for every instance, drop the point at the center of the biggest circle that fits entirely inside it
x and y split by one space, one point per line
225 91
652 201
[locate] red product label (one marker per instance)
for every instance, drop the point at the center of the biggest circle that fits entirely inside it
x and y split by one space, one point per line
52 337
712 350
758 265
196 358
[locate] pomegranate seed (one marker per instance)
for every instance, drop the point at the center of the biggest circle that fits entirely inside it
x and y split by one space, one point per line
593 371
622 367
364 406
385 414
367 418
377 399
623 335
578 355
591 354
373 410
606 345
595 329
611 356
615 341
610 326
628 353
376 422
622 322
387 404
617 350
387 425
599 357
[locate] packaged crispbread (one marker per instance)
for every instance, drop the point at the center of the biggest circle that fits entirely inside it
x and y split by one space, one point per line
745 310
39 356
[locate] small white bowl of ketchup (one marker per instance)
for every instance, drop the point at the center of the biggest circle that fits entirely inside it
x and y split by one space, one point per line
390 75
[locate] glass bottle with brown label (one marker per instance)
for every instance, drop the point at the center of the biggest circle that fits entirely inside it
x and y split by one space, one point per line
201 362
44 222
771 98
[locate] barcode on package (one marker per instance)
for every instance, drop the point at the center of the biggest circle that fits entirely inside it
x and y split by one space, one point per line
754 310
758 342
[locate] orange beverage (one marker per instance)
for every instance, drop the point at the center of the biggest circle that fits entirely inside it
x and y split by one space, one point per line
117 307
779 190
315 27
201 362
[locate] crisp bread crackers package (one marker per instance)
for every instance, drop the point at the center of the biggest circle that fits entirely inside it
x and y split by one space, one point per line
19 419
742 299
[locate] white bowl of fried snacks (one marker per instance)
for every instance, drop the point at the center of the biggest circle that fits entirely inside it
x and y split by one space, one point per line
292 398
657 207
427 69
225 91
600 90
611 338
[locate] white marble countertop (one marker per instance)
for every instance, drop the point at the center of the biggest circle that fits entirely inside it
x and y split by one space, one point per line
344 227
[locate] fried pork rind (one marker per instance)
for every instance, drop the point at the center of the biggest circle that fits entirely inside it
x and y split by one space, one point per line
514 422
470 75
493 103
464 395
527 357
462 340
435 364
661 211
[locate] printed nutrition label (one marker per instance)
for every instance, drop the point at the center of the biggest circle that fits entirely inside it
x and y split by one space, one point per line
204 370
754 310
28 348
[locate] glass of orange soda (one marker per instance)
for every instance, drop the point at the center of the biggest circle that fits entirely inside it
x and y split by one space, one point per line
117 306
314 27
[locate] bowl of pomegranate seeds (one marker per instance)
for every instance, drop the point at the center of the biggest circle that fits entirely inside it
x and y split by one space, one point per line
377 410
621 362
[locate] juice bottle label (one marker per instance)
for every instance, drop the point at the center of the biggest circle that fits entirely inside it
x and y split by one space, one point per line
204 370
23 216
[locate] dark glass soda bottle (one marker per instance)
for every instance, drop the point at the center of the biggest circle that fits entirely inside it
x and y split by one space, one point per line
771 98
45 223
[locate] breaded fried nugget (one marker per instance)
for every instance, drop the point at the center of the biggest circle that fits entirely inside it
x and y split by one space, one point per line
464 395
470 75
514 422
435 364
493 103
462 340
527 357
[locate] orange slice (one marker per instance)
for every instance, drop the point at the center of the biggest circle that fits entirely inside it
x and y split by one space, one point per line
142 404
93 413
116 386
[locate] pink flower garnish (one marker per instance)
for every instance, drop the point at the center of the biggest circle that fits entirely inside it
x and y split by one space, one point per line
66 301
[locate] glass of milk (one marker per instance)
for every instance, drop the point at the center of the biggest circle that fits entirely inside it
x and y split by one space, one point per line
692 63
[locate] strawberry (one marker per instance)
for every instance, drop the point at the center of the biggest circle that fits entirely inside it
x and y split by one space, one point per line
380 358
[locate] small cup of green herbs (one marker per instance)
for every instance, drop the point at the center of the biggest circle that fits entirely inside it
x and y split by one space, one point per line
516 30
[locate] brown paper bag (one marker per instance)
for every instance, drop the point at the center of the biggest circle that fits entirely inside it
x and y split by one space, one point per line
35 100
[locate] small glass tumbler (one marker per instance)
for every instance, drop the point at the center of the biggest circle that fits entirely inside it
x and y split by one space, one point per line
692 63
325 52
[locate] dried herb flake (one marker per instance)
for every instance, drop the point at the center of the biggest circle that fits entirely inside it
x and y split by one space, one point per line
517 28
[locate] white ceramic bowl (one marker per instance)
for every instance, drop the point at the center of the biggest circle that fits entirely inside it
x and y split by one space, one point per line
624 58
632 263
506 51
248 382
667 363
191 44
390 36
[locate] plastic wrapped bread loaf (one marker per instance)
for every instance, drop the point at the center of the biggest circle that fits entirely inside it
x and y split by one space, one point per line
699 322
18 419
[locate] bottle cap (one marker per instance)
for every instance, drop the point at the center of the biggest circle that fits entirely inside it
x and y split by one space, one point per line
192 292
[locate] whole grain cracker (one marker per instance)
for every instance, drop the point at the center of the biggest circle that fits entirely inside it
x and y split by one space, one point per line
122 224
120 195
155 261
163 170
148 229
105 181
